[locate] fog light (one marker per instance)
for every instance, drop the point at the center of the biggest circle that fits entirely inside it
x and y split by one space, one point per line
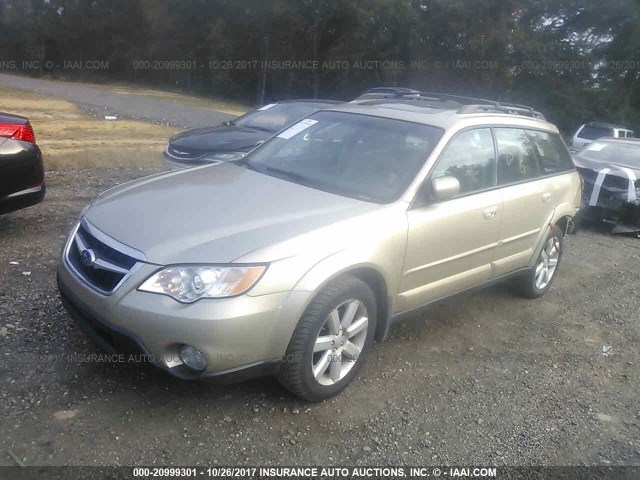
193 358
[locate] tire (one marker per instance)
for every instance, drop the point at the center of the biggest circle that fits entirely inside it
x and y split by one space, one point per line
318 327
535 282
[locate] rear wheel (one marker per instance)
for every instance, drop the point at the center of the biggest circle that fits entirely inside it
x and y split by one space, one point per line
331 340
537 281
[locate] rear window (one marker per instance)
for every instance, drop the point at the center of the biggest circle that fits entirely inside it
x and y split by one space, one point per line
590 132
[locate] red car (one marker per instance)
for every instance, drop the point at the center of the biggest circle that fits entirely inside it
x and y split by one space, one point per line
21 169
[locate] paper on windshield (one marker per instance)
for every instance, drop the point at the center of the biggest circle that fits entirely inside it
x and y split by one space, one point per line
596 147
297 128
267 107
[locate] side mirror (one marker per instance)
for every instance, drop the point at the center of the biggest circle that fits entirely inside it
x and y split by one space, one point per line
443 188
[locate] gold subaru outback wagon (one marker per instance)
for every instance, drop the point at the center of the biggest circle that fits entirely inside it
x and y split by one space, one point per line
292 260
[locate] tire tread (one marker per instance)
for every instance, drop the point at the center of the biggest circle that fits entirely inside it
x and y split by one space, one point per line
290 374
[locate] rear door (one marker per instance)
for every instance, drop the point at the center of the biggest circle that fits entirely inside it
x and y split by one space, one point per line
531 170
528 198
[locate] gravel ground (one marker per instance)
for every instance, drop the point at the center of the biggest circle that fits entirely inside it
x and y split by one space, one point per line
102 101
484 379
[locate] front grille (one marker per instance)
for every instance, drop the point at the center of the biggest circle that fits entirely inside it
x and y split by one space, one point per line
108 266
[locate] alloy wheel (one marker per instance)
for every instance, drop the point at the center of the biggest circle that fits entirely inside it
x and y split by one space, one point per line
339 342
547 263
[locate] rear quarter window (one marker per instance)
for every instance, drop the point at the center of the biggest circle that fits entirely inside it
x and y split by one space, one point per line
551 152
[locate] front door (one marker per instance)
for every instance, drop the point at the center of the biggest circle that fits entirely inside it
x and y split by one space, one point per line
451 243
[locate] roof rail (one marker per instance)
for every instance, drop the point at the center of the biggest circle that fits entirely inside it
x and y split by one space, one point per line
469 104
394 91
512 108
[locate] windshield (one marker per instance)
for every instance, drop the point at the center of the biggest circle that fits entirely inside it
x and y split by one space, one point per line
624 154
359 156
274 117
590 132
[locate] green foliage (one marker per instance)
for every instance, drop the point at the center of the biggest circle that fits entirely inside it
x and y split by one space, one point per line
576 61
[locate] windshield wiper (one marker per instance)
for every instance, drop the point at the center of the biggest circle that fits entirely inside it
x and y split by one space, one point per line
262 129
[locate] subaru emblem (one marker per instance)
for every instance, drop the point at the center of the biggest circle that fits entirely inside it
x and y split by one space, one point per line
87 257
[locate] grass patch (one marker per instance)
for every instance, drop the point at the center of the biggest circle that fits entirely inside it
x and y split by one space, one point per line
72 139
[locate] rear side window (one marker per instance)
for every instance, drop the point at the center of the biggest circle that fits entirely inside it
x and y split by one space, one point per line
517 159
551 152
589 132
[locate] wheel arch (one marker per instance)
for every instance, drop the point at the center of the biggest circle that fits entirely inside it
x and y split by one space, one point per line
369 274
563 222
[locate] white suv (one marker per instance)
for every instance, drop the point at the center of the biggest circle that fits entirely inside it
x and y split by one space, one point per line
592 131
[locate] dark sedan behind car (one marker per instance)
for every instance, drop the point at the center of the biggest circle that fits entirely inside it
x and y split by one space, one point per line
234 139
610 168
21 169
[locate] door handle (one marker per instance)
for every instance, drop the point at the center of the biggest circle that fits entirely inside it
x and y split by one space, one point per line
546 197
490 212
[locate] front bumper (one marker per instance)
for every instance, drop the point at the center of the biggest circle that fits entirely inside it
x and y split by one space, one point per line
622 217
240 337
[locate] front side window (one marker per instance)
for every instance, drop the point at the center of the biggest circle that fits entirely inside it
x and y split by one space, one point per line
517 159
469 157
359 156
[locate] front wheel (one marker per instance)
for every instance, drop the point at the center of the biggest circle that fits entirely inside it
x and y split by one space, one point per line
331 340
537 281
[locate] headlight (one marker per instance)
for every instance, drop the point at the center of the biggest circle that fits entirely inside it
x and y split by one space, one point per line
225 156
190 283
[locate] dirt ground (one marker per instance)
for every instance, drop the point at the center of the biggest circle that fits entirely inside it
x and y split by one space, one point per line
483 379
130 102
71 138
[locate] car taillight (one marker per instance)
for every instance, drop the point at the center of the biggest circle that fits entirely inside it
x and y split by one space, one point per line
18 132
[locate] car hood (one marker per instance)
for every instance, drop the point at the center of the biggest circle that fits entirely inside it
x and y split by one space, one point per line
214 213
616 168
226 138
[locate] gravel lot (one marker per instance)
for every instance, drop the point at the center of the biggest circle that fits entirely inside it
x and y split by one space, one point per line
485 379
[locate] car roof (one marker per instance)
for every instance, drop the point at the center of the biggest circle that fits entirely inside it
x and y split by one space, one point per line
445 115
311 101
605 125
444 110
